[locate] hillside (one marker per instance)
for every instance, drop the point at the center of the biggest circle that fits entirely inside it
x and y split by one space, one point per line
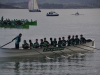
55 1
49 4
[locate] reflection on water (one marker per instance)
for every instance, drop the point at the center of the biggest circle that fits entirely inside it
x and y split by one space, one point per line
74 65
56 66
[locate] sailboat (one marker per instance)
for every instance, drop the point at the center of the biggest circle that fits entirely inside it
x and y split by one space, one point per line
33 6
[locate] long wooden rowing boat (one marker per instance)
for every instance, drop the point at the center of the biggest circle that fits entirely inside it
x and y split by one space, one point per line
11 52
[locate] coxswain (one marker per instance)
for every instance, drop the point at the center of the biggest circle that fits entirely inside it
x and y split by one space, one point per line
17 41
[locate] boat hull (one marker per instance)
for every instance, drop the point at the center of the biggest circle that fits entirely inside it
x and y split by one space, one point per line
82 48
34 10
52 15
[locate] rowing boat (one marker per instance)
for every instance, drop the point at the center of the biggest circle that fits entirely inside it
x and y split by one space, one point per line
82 48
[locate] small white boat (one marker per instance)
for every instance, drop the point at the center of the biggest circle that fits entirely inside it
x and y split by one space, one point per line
52 13
82 48
77 13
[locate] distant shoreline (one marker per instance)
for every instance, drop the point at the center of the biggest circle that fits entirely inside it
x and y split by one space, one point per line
52 8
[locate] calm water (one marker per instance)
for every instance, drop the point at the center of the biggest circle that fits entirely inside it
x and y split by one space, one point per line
63 25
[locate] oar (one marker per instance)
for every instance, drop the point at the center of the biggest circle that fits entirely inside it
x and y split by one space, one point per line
61 51
91 47
5 44
81 48
58 54
71 50
75 52
55 53
42 54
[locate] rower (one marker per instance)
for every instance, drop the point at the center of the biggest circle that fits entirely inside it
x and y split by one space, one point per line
2 18
31 44
69 41
41 43
36 44
46 43
77 41
72 40
63 42
25 45
59 43
82 39
51 42
55 43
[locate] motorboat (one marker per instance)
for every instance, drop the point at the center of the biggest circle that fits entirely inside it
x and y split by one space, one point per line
52 13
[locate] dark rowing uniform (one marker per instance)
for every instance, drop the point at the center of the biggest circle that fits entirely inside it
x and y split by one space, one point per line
63 43
59 43
77 41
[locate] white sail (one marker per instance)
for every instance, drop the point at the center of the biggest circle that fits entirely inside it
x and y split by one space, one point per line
30 5
33 6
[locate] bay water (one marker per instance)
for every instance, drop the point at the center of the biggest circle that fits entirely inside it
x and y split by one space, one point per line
65 24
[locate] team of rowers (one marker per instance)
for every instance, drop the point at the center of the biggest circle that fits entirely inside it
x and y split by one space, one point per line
14 22
74 40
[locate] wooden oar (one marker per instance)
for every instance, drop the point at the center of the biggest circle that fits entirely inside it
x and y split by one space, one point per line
42 54
81 48
80 54
55 53
5 44
71 50
91 47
